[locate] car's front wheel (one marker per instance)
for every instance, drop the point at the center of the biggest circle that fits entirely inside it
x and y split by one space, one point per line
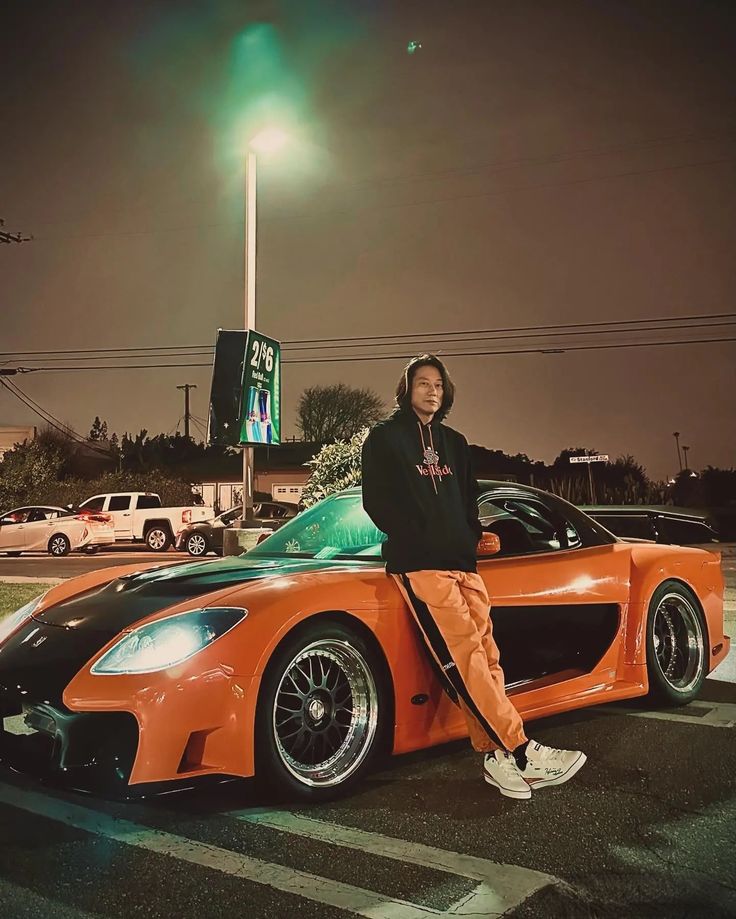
322 712
196 545
677 645
59 545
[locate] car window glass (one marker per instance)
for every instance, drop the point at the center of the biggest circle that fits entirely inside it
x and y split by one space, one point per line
526 526
18 516
94 504
682 532
335 527
637 526
143 502
119 503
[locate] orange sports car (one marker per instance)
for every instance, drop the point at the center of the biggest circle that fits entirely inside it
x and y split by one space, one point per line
299 661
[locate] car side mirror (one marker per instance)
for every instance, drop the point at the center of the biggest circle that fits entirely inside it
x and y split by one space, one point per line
489 544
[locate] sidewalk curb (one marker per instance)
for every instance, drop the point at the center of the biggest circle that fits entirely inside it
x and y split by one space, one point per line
19 579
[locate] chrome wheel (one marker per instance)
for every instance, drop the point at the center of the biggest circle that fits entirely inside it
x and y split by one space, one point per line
196 544
678 642
325 713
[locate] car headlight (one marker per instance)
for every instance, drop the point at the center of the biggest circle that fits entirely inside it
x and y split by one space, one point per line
10 623
167 642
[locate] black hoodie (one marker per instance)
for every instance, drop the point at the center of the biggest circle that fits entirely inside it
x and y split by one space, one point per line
418 487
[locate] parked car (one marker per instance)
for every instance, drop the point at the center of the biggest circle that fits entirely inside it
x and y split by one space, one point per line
33 528
207 535
668 525
102 529
138 515
299 661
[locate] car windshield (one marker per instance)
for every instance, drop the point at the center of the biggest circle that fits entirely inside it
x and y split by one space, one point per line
336 527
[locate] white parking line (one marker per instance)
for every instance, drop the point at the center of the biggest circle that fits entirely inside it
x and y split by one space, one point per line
502 886
712 714
508 885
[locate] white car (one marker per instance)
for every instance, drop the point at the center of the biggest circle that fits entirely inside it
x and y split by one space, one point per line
43 529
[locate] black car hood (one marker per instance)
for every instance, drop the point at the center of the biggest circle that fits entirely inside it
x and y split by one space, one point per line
121 603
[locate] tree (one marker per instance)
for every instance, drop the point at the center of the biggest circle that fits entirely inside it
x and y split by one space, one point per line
98 431
329 413
335 467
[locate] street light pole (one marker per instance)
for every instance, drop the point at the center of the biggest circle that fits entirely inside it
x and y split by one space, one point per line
684 450
676 435
250 310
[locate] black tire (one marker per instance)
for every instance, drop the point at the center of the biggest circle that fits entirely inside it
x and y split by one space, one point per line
197 545
341 710
157 538
13 554
91 550
59 545
677 645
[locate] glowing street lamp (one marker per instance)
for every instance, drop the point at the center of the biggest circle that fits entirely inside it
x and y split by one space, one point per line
267 141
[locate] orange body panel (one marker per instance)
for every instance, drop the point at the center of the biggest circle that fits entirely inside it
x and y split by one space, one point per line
199 718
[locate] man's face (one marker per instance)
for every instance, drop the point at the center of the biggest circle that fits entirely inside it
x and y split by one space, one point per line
426 392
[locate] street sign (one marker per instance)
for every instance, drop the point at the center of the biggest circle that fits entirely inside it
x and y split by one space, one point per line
245 398
601 458
260 411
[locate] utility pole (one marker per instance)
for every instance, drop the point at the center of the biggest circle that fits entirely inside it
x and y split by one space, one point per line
676 435
186 387
684 450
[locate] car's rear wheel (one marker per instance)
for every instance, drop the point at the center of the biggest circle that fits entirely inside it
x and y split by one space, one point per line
196 545
158 539
677 645
322 711
91 550
59 545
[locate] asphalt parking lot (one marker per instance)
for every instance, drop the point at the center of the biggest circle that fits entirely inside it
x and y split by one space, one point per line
647 829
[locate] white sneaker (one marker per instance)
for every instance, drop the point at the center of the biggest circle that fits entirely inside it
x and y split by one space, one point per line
548 766
500 769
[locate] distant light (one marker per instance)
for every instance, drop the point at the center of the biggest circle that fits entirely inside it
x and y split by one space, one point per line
269 140
413 47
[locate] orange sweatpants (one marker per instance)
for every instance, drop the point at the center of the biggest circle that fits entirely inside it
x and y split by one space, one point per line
452 610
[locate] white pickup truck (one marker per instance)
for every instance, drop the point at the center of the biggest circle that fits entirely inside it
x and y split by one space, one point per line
138 515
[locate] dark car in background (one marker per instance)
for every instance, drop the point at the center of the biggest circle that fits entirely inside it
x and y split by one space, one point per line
207 535
662 524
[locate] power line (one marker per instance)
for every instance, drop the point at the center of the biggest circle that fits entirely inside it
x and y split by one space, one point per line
393 356
49 418
296 343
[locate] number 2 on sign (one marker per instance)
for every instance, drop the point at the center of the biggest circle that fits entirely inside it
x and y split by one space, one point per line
261 352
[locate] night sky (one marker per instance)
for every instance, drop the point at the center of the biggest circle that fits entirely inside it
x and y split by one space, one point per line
531 164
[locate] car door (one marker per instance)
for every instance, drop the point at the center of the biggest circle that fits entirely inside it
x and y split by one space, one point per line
38 528
558 588
120 510
12 530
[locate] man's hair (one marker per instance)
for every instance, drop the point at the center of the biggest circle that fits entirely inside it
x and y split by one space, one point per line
403 387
